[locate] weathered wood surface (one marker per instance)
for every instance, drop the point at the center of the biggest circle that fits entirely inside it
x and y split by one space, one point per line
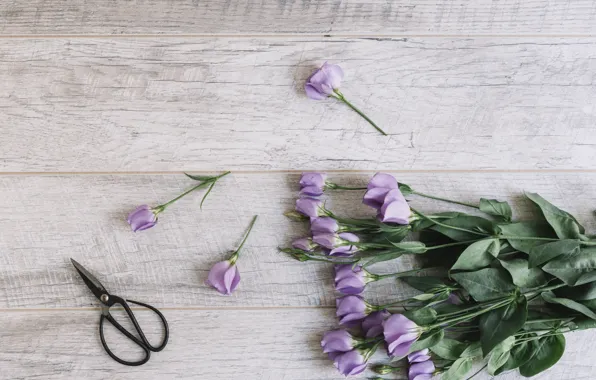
154 104
45 220
334 17
268 344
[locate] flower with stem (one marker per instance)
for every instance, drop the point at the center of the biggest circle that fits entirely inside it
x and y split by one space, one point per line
325 81
145 217
224 275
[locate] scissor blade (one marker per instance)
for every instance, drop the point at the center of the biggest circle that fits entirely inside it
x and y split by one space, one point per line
92 283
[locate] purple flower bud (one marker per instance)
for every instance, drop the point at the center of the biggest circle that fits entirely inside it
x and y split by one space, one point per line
372 326
309 207
331 241
323 81
395 208
349 279
224 277
382 180
400 333
351 309
349 363
418 356
313 179
421 370
343 251
337 341
304 244
323 225
142 218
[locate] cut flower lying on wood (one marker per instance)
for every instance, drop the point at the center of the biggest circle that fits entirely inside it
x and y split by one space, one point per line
493 290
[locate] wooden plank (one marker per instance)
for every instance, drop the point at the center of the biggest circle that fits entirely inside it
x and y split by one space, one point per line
204 344
321 17
211 104
45 220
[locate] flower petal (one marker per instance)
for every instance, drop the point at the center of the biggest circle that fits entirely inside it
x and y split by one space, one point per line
313 93
383 180
423 368
216 276
395 212
334 74
374 197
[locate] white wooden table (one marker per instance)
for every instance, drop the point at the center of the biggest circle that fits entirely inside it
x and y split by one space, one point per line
104 104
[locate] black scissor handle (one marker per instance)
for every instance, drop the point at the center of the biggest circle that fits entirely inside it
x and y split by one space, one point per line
143 342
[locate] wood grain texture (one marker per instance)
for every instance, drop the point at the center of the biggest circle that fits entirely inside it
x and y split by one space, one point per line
155 104
291 16
45 220
236 344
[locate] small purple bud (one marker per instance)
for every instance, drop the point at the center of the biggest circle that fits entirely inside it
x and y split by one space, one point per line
349 279
418 356
400 334
350 363
372 326
142 218
337 341
313 179
343 251
224 277
351 309
331 241
323 225
304 244
323 81
309 207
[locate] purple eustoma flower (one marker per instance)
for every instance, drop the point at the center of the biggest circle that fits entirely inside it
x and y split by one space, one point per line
337 341
418 356
400 334
331 241
142 218
349 363
322 83
224 277
423 370
323 225
351 309
310 207
350 279
395 208
304 244
378 187
312 184
372 326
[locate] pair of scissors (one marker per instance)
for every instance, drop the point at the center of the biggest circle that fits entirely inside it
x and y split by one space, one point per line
108 300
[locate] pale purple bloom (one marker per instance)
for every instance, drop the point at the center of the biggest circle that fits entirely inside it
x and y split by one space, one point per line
224 277
349 363
395 208
349 279
372 326
378 187
323 225
421 370
400 334
312 184
337 341
323 81
383 180
343 251
418 356
311 191
309 207
331 241
304 244
142 218
351 309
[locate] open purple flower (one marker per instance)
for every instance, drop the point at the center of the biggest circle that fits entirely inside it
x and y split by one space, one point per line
351 279
395 208
372 325
351 309
338 341
323 81
142 218
312 184
224 277
310 207
304 244
400 334
323 225
349 363
423 370
378 187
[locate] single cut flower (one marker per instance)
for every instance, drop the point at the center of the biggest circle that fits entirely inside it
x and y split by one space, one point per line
338 341
372 325
224 275
351 279
310 207
351 309
349 363
400 334
142 218
323 225
305 244
325 81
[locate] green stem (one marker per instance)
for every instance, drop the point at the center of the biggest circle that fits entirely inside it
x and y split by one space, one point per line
541 239
457 320
236 253
446 225
399 274
445 200
477 372
335 186
202 184
452 244
341 97
396 303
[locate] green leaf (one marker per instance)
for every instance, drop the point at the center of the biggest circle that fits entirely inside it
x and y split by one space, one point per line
411 246
564 224
500 355
469 222
428 340
405 189
584 323
574 270
579 293
546 352
496 208
379 258
474 350
202 178
478 255
486 284
449 349
423 283
458 369
518 356
422 316
526 229
570 304
540 254
523 276
499 324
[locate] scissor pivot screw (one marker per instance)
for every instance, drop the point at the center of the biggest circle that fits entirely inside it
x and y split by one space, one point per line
104 298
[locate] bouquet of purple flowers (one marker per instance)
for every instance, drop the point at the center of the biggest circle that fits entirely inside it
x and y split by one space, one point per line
494 291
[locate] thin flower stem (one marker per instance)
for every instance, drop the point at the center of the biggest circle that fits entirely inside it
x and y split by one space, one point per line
445 200
477 372
545 320
252 223
457 320
399 274
202 184
542 239
341 97
335 186
446 225
452 244
396 303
